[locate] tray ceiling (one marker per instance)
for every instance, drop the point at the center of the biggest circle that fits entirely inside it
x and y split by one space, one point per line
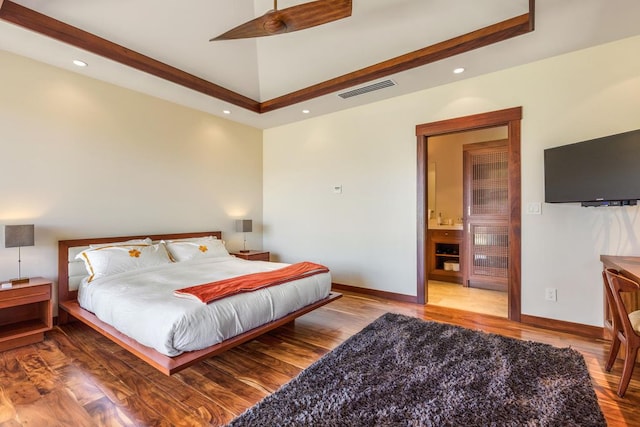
276 77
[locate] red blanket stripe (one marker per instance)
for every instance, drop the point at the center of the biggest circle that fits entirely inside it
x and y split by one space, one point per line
212 291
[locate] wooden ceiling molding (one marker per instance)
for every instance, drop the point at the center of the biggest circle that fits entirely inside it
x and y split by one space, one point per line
58 30
488 35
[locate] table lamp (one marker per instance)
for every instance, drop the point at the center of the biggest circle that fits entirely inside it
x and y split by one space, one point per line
17 236
244 226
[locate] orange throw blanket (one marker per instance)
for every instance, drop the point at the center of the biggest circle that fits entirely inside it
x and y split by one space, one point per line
209 292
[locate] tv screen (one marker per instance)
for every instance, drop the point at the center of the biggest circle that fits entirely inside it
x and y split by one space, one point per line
600 170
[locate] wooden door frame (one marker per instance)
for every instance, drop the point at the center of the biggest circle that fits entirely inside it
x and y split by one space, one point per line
511 118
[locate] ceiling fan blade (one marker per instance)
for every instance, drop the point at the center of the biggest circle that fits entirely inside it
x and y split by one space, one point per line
293 18
266 25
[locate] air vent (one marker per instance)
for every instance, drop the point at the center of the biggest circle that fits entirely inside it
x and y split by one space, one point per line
365 89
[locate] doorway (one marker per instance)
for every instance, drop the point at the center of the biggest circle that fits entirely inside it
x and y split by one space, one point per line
467 190
511 119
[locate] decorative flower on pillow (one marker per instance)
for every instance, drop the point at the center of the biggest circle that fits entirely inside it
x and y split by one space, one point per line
109 260
203 248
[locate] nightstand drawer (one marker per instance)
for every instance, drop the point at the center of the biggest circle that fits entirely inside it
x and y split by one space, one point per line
253 255
20 296
446 234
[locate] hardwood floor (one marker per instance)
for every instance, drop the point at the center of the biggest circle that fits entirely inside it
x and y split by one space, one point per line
454 295
78 378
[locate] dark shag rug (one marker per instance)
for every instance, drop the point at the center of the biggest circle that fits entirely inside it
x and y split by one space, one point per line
402 371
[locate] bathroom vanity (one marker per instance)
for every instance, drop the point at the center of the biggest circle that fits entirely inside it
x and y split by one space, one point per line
445 243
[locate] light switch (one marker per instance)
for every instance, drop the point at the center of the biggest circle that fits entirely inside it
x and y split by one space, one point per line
534 208
337 189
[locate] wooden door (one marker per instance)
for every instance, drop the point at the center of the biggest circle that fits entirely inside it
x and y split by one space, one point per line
486 202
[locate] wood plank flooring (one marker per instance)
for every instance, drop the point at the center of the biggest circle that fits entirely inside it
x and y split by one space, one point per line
78 378
454 295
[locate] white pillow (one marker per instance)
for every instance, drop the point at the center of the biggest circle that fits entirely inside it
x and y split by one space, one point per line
108 260
190 239
198 247
145 241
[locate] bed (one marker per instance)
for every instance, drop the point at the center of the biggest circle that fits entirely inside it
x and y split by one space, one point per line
92 298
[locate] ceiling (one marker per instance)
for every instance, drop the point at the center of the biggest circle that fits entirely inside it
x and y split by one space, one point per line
265 69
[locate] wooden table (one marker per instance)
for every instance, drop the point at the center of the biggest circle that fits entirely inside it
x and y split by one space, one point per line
253 255
26 313
629 267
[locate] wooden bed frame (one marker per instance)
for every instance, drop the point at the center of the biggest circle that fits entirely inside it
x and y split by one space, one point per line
69 308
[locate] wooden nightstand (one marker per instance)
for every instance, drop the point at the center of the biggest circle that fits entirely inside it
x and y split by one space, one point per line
26 312
253 255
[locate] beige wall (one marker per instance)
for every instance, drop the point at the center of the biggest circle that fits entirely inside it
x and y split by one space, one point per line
367 234
82 158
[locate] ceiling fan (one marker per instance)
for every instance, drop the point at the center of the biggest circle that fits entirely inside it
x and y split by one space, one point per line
291 19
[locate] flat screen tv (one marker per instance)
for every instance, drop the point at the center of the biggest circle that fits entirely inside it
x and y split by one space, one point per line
599 172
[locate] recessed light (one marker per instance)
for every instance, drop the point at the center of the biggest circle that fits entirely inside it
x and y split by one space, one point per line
305 111
226 111
458 70
79 63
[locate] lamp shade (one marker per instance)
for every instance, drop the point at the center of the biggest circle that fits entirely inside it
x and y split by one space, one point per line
244 225
16 236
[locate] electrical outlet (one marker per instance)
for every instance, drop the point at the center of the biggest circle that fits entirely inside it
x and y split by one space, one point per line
551 294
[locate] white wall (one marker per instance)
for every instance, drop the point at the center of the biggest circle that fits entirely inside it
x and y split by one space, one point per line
81 158
367 234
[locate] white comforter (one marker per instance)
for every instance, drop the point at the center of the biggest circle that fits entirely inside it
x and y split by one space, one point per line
141 303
